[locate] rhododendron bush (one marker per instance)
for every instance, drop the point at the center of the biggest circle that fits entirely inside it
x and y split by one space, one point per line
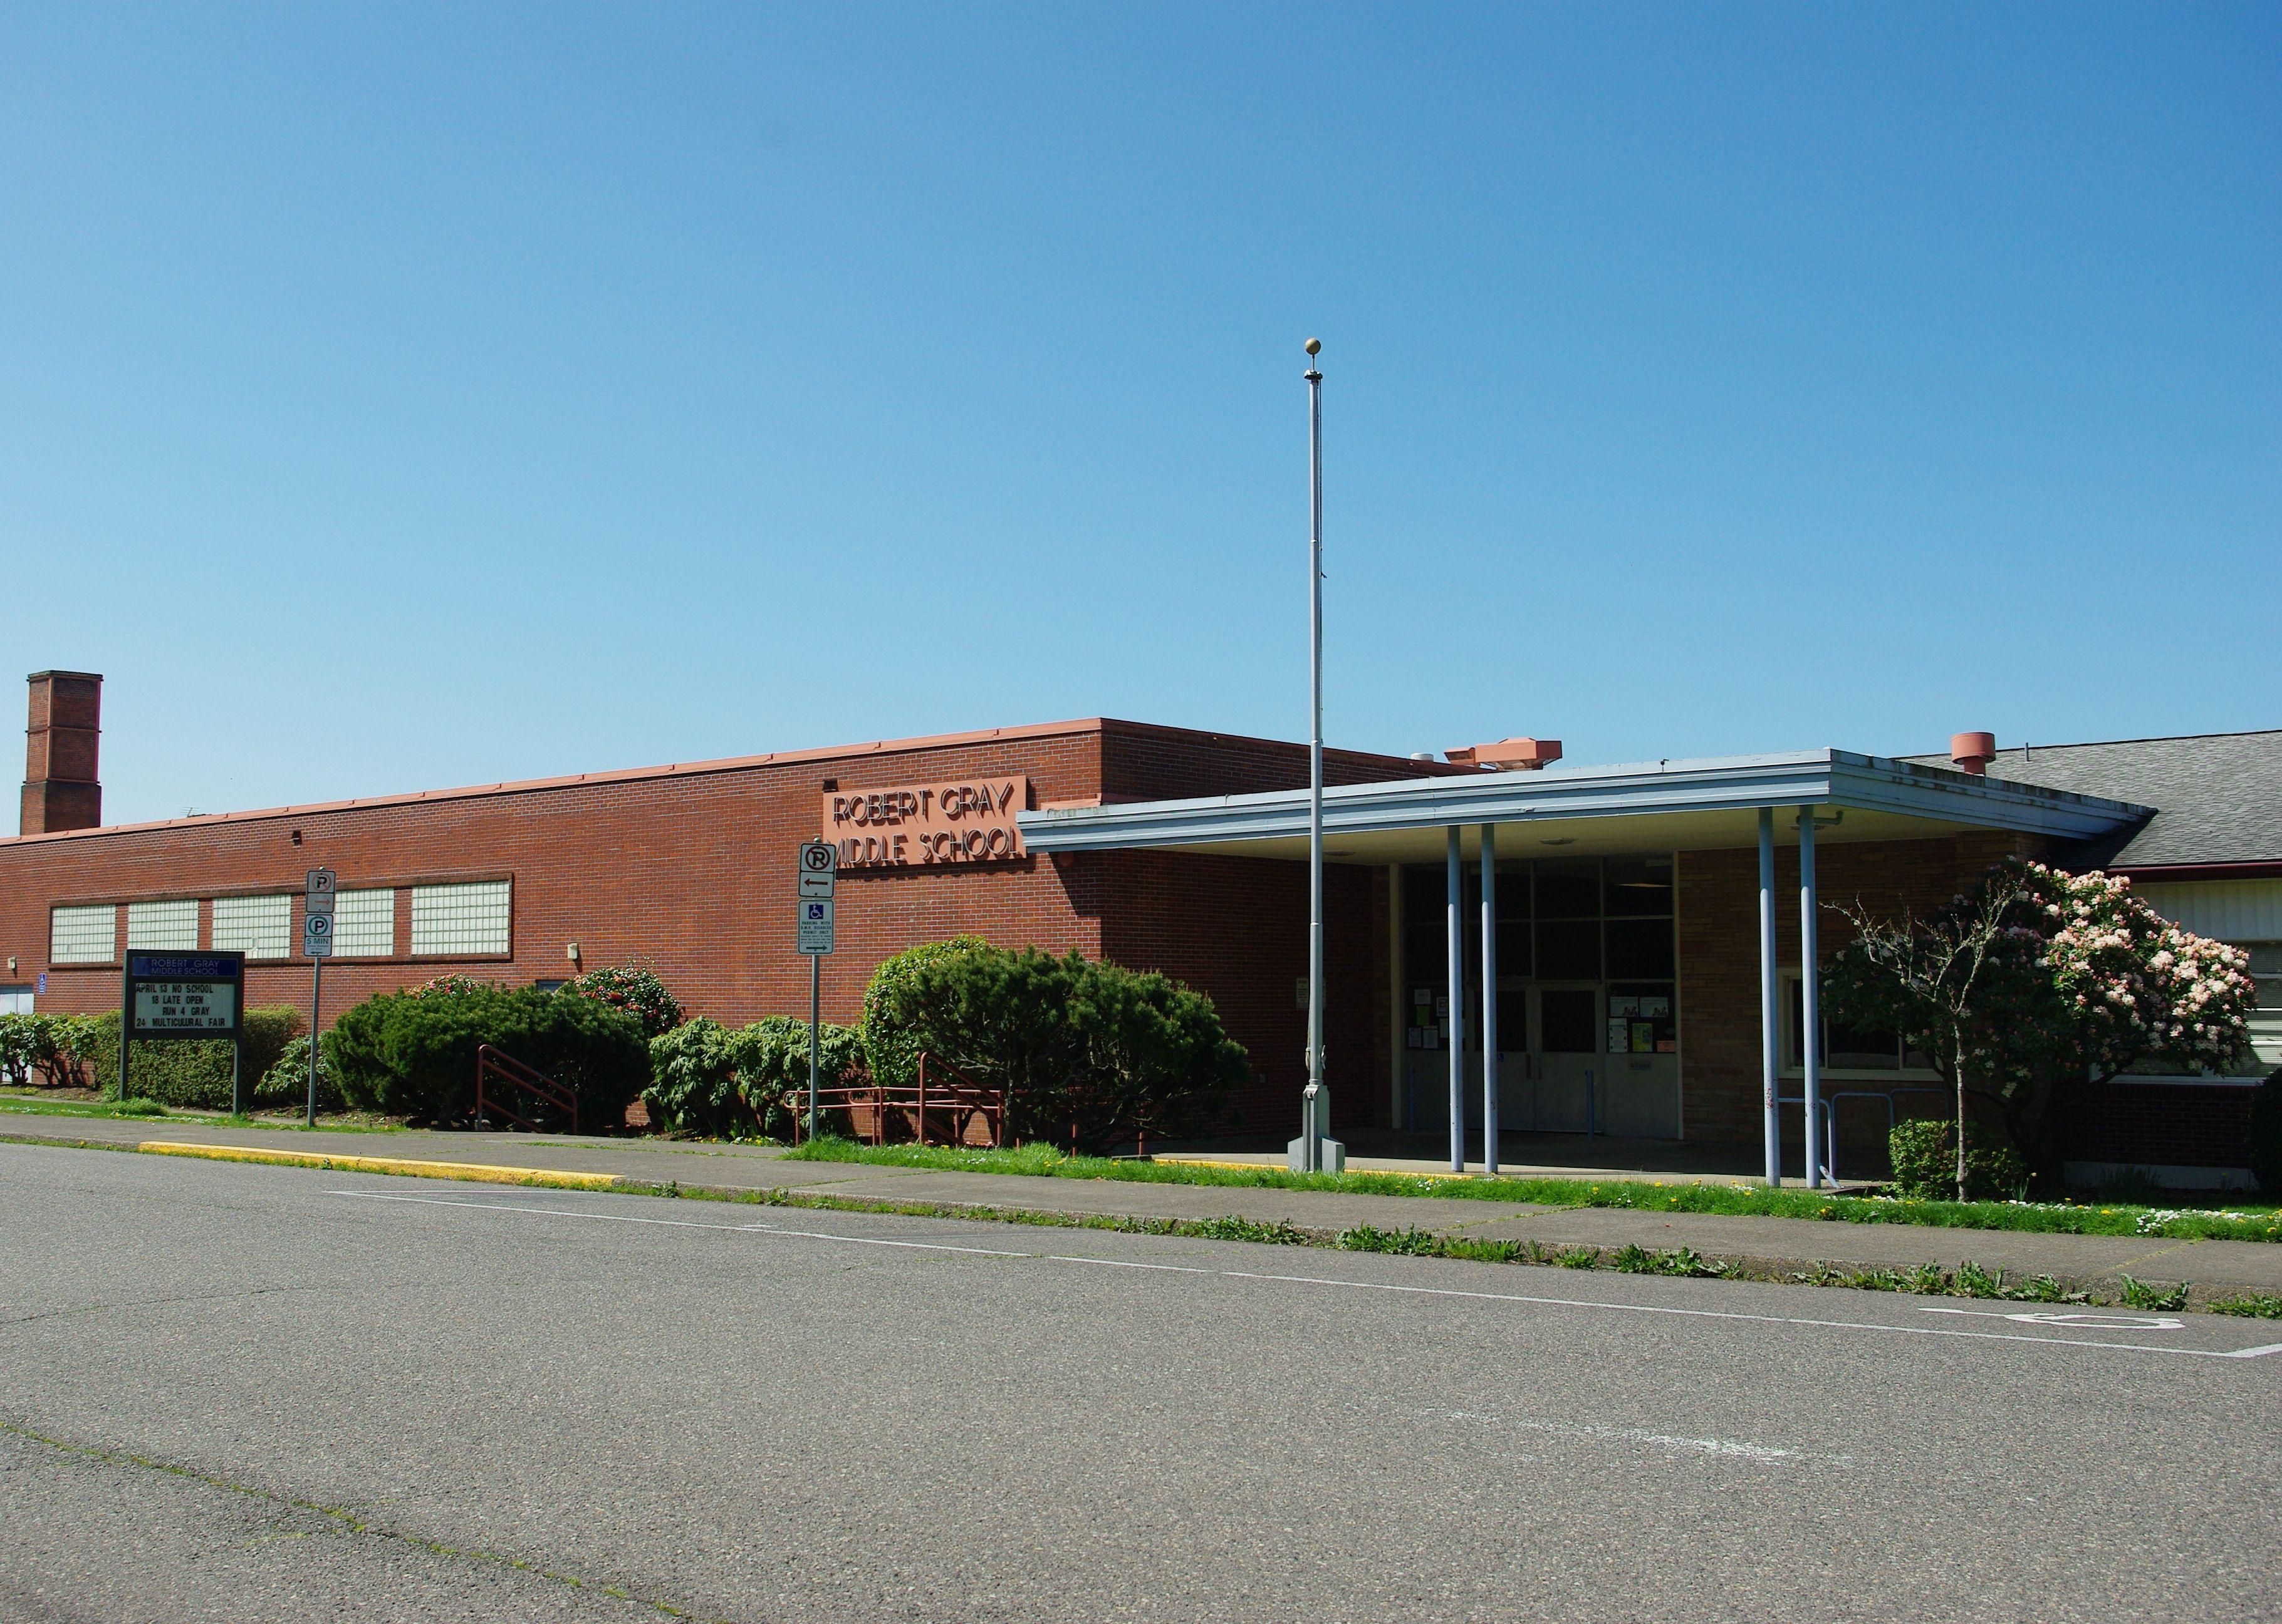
2039 986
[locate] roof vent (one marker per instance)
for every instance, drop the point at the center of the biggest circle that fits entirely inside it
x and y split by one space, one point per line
1971 752
1508 755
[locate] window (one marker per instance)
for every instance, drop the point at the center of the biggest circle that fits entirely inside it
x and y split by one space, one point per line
83 935
163 927
1844 1048
2266 1020
259 927
461 921
15 1000
364 924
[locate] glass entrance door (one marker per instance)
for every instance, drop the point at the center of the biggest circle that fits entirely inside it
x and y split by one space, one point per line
1565 1047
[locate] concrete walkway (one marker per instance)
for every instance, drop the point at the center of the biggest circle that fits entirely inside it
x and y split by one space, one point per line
2214 1268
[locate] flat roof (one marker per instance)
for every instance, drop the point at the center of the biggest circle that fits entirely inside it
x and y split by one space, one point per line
684 769
1699 804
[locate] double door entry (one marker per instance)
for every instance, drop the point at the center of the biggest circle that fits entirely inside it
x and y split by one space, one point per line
1559 1070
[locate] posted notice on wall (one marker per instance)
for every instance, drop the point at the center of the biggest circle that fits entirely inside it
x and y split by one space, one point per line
185 1007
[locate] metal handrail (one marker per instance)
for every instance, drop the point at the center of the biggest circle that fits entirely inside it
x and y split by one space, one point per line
497 1065
962 1096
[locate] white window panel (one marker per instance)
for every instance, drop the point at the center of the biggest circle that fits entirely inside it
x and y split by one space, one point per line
163 927
83 935
2266 1020
461 921
259 927
364 924
15 1000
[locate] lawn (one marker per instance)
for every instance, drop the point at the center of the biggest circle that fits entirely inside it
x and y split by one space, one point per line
2258 1222
33 1103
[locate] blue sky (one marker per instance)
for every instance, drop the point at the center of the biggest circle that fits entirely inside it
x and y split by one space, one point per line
393 398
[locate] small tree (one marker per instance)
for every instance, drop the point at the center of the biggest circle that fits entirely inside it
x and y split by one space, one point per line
1951 986
2040 985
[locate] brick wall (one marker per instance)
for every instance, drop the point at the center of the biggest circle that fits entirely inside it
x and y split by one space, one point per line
1718 915
691 871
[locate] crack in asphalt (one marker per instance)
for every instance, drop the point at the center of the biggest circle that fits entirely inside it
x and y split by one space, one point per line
348 1521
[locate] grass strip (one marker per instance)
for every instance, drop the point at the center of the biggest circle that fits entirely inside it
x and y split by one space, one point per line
1644 1195
2250 1305
1967 1280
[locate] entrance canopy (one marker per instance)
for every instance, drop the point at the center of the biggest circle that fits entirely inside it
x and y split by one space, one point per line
1710 803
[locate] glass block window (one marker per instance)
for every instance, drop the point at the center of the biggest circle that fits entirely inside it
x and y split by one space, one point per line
83 935
259 927
462 919
163 927
364 924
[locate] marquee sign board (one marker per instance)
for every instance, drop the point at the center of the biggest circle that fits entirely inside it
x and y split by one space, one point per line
184 995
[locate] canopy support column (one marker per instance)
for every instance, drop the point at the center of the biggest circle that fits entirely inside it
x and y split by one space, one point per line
1457 978
1770 1056
1489 1000
1810 1000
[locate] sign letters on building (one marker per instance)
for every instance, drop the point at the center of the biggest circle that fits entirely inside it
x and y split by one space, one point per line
958 821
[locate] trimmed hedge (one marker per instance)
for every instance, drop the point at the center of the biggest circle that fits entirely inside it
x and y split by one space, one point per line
193 1073
707 1079
413 1053
1080 1046
1924 1155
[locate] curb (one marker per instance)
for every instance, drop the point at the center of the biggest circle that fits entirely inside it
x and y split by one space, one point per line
465 1173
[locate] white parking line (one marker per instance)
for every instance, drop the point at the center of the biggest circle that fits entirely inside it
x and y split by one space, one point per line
1870 1327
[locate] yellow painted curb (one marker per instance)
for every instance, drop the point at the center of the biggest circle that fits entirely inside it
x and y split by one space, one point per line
470 1172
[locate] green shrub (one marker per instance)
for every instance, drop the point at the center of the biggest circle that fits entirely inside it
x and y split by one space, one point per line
634 990
773 1064
891 1043
285 1085
705 1078
193 1073
26 1044
1077 1045
2266 1133
1925 1163
413 1053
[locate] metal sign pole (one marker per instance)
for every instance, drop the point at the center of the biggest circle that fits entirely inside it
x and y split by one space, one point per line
820 868
815 1011
316 1002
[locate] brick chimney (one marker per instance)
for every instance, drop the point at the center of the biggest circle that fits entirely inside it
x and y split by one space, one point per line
61 790
1508 755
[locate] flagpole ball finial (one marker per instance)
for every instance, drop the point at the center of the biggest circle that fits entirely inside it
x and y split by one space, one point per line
1315 347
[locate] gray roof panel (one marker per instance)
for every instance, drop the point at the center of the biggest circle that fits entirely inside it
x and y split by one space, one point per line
2218 797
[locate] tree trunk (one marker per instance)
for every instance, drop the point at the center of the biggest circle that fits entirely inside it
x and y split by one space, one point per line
1957 1038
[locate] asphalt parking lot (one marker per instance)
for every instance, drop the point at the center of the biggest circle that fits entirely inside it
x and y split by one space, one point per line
259 1393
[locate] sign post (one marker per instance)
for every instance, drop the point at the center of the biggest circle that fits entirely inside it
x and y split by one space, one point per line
167 996
317 946
820 866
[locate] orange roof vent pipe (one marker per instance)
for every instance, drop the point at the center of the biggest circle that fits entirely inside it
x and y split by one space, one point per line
1971 752
1508 755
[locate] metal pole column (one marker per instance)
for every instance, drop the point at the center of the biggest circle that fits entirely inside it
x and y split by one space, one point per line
316 1003
1489 1000
1769 1029
815 1014
1317 1112
1457 983
1810 999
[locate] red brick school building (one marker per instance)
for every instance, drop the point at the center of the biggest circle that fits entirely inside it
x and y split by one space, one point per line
1631 982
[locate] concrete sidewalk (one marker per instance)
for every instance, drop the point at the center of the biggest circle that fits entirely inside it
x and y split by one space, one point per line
2214 1268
